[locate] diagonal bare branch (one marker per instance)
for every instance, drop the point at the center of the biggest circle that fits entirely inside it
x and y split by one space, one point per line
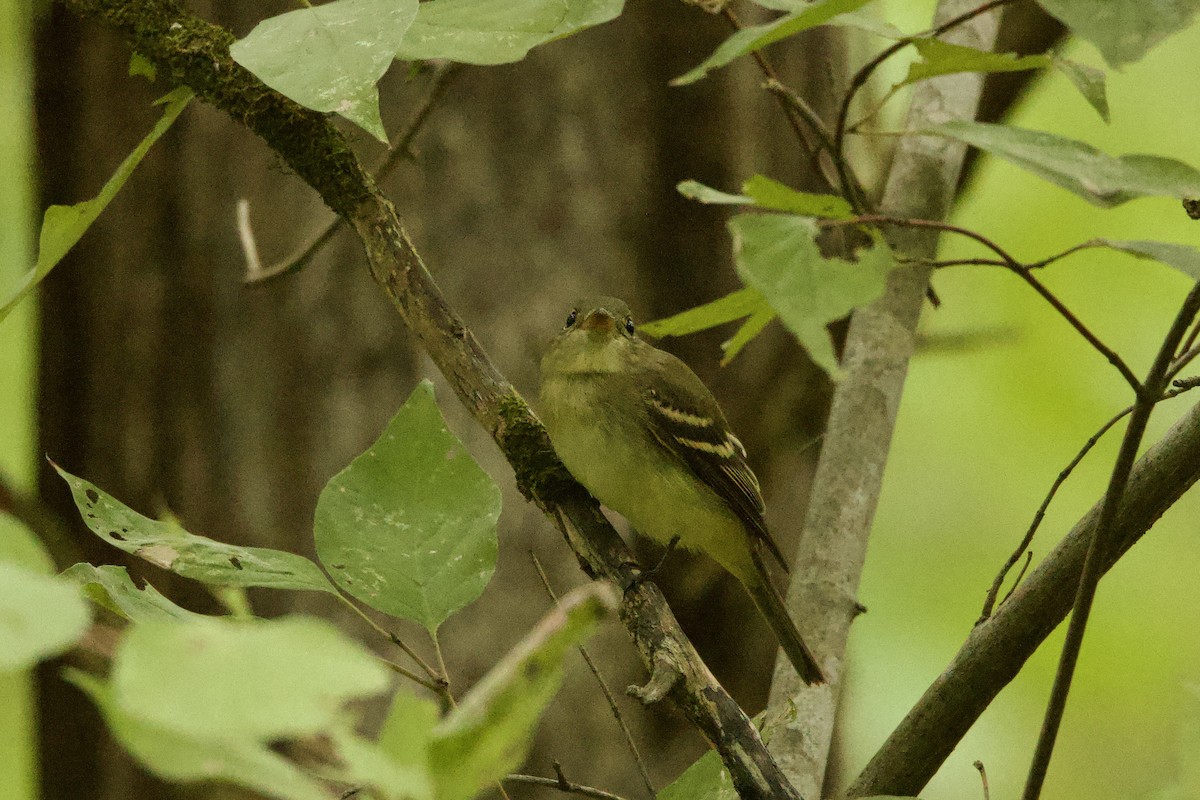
189 50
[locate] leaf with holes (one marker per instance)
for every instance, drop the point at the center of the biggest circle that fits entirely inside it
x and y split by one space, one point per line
1097 177
112 588
778 256
165 544
409 528
497 31
329 57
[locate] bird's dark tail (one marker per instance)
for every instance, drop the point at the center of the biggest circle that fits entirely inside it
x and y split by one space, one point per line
770 605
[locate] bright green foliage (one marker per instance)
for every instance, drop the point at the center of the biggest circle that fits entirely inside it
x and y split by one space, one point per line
408 730
165 544
1122 30
944 58
258 679
142 67
19 546
778 256
181 756
705 779
1182 257
409 528
489 732
497 31
767 193
735 305
361 762
1099 178
753 326
329 57
63 226
40 616
756 37
112 588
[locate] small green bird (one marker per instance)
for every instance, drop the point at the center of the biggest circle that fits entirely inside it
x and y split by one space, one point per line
644 435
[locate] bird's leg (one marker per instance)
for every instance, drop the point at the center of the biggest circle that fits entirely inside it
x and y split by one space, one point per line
646 575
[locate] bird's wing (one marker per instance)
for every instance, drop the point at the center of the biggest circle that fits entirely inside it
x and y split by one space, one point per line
687 421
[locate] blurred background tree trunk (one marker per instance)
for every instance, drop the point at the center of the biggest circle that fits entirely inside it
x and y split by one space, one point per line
170 384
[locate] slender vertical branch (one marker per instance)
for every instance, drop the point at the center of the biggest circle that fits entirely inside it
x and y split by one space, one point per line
1089 578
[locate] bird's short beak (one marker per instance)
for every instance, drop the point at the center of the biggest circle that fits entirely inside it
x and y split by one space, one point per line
598 320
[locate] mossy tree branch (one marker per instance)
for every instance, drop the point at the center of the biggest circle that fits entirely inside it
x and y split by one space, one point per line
188 50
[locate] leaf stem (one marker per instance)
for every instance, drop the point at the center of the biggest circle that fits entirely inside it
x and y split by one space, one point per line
438 679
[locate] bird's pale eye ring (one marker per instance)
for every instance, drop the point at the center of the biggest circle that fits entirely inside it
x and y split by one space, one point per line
572 317
629 325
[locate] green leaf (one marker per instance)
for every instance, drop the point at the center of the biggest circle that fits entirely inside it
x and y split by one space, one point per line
497 31
774 195
165 544
19 546
489 732
943 58
181 756
1122 30
1099 178
63 226
329 57
752 327
255 680
112 588
40 616
695 190
778 256
732 306
756 37
705 779
1089 81
409 528
360 762
408 730
142 67
1182 257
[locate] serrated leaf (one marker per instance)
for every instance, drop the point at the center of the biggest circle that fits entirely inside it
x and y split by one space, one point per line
1099 178
1122 30
767 193
329 57
725 309
695 190
165 544
1182 257
409 528
63 226
1090 82
40 616
256 680
778 256
178 756
945 58
112 588
489 732
497 31
756 37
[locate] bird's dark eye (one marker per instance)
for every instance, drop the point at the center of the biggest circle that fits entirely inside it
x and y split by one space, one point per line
571 317
629 325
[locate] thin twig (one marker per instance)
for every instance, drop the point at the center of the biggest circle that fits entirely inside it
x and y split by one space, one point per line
987 795
256 274
608 695
439 679
564 786
1148 396
1020 575
1006 260
246 237
859 80
990 602
412 676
